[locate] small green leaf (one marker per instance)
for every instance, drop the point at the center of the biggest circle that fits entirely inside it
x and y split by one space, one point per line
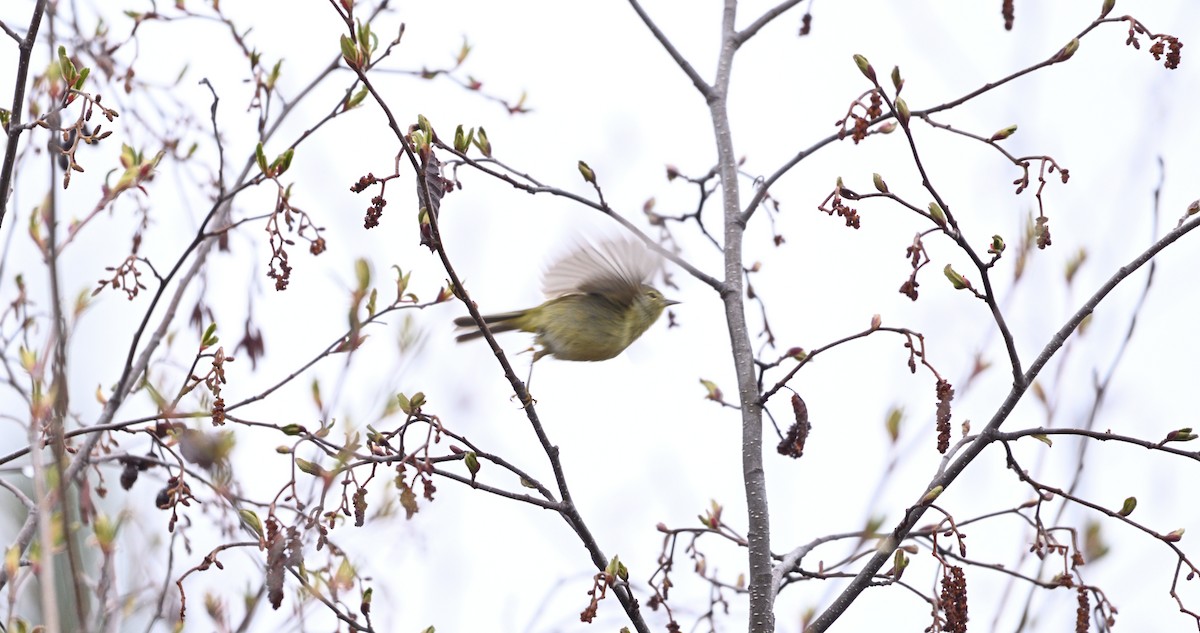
261 159
349 52
1128 506
362 274
357 98
210 336
482 142
310 468
250 520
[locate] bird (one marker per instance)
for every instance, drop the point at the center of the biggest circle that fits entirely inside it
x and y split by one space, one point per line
598 302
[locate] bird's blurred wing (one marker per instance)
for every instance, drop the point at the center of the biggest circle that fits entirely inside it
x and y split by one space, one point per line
615 267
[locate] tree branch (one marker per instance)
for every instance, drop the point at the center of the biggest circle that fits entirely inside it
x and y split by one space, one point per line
18 104
683 64
989 434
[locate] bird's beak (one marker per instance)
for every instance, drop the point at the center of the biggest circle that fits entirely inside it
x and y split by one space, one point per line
670 302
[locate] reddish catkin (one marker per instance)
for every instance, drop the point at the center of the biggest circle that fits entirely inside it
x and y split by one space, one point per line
954 599
945 393
1081 614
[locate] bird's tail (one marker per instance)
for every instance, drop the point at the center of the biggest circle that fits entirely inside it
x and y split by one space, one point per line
501 322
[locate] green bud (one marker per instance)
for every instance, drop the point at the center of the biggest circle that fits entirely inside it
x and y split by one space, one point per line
357 99
366 42
273 77
350 52
892 425
714 392
28 359
935 212
481 141
617 569
460 139
997 246
958 281
261 159
210 336
589 176
420 140
66 66
293 429
1107 8
864 67
1067 51
933 494
282 162
251 520
105 531
472 462
899 562
310 468
902 114
897 82
1180 435
1003 134
362 273
880 185
1128 506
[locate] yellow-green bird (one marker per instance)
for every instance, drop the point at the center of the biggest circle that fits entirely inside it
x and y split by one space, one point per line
599 302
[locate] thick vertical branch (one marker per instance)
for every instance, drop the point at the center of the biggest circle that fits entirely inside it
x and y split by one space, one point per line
762 616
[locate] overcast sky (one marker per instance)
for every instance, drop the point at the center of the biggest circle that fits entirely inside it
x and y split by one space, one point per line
640 443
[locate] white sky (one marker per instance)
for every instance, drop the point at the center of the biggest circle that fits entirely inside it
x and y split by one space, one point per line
639 443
